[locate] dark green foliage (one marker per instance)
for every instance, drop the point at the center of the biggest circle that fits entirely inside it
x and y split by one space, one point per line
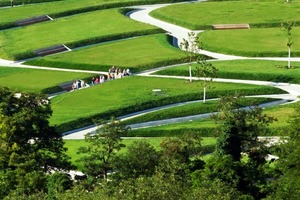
141 159
29 146
104 144
288 166
57 184
238 134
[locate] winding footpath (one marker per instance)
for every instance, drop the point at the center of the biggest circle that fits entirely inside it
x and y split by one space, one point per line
142 14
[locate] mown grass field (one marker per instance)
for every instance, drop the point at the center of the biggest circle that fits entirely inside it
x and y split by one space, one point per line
50 8
263 70
251 42
74 145
136 53
35 80
204 14
193 108
67 30
136 92
282 113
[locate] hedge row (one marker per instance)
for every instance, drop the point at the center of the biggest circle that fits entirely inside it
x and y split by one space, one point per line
89 41
86 121
203 132
20 2
262 77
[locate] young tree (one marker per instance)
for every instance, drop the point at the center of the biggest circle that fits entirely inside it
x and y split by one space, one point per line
287 28
103 147
29 146
190 46
207 71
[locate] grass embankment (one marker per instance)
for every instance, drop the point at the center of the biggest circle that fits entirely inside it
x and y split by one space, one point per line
72 31
131 94
205 127
60 8
262 70
266 42
189 109
34 80
137 54
74 145
257 14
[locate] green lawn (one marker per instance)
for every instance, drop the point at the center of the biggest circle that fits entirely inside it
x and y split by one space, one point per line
204 14
34 80
251 42
247 69
74 145
205 126
67 30
135 93
190 109
50 8
136 53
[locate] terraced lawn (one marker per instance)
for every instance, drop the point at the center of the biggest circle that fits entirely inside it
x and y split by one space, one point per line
55 7
264 42
68 30
204 14
136 53
205 126
34 80
130 94
247 69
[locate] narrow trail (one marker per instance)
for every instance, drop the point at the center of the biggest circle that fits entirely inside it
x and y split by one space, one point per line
142 14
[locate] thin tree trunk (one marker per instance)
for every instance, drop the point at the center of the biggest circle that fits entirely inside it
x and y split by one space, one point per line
190 71
204 94
289 59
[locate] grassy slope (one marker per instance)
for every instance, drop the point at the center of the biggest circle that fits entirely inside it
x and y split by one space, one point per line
281 113
251 42
247 69
141 51
190 109
226 12
68 29
31 10
125 92
32 80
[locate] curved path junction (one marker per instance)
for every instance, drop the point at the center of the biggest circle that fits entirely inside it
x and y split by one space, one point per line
142 14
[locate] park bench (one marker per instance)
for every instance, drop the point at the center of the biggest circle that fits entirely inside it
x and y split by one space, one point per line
230 26
51 50
33 20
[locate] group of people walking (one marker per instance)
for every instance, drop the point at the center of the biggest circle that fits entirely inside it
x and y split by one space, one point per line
113 73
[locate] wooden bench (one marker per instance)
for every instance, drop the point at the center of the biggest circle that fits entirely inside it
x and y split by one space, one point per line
51 50
230 26
32 20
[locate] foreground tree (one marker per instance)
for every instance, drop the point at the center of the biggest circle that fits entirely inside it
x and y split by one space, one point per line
288 186
29 146
238 135
104 144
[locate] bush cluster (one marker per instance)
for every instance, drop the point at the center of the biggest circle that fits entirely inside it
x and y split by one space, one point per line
20 2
